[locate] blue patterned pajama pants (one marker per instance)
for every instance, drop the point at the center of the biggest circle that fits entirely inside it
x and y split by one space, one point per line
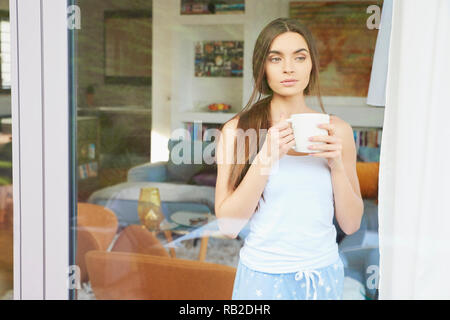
325 283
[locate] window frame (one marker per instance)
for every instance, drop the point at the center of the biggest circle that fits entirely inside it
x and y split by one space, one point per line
41 148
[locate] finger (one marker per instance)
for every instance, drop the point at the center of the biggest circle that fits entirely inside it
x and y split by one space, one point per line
324 154
287 139
277 132
291 143
323 138
286 131
330 147
328 126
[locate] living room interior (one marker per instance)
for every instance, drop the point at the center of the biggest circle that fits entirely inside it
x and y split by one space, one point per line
152 78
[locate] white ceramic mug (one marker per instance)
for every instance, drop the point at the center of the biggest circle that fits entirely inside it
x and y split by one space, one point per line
305 125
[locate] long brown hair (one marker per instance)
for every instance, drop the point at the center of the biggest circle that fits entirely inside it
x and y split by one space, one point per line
256 114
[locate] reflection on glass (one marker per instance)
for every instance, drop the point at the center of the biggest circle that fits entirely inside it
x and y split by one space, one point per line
115 86
6 188
111 103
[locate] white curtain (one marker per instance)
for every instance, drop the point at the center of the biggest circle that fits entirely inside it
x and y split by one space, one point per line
414 184
376 95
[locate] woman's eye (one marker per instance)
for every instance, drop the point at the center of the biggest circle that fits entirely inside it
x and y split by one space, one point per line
278 59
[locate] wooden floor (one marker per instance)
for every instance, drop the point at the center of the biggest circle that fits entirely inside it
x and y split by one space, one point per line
6 255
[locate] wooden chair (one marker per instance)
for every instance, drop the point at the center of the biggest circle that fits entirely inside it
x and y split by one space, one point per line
124 275
96 228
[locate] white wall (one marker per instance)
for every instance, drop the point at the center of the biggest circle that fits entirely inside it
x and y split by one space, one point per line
163 15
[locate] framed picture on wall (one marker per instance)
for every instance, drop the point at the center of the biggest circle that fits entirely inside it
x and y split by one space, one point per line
128 47
344 42
219 58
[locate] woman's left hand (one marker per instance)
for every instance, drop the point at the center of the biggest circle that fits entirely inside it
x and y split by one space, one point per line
332 147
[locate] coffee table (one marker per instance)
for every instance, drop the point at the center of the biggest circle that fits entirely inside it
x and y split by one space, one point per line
183 228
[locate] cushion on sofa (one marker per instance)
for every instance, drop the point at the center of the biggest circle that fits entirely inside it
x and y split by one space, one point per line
205 179
156 171
181 168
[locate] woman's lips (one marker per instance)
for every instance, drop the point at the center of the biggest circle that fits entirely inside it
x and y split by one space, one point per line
289 83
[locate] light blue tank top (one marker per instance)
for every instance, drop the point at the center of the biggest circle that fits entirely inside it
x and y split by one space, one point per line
293 228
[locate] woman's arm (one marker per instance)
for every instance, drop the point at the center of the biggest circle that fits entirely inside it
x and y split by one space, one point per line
349 206
234 208
340 152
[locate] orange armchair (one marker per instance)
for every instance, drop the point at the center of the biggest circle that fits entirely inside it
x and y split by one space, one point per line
368 179
96 228
124 275
136 239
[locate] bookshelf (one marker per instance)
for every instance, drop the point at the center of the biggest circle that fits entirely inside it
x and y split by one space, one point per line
197 130
88 143
367 143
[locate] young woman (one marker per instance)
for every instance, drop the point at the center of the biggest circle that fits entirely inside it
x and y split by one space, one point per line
291 250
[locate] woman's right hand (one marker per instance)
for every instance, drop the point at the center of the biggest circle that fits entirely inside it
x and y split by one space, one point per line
279 139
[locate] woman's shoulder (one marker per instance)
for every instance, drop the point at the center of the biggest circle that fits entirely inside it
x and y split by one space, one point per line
343 129
231 124
229 129
338 122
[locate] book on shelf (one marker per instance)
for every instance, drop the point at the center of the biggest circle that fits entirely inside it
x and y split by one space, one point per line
88 170
229 12
194 7
368 143
229 8
207 7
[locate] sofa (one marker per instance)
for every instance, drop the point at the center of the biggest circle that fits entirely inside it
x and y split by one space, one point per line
188 186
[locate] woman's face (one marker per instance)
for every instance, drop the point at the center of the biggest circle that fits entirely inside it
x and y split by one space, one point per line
288 58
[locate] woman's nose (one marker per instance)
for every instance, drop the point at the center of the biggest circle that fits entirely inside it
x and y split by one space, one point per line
288 68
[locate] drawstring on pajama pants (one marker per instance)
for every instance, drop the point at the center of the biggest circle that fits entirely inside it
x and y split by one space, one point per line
309 275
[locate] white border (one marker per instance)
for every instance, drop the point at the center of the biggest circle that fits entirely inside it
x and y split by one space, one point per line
16 154
56 147
26 111
39 97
